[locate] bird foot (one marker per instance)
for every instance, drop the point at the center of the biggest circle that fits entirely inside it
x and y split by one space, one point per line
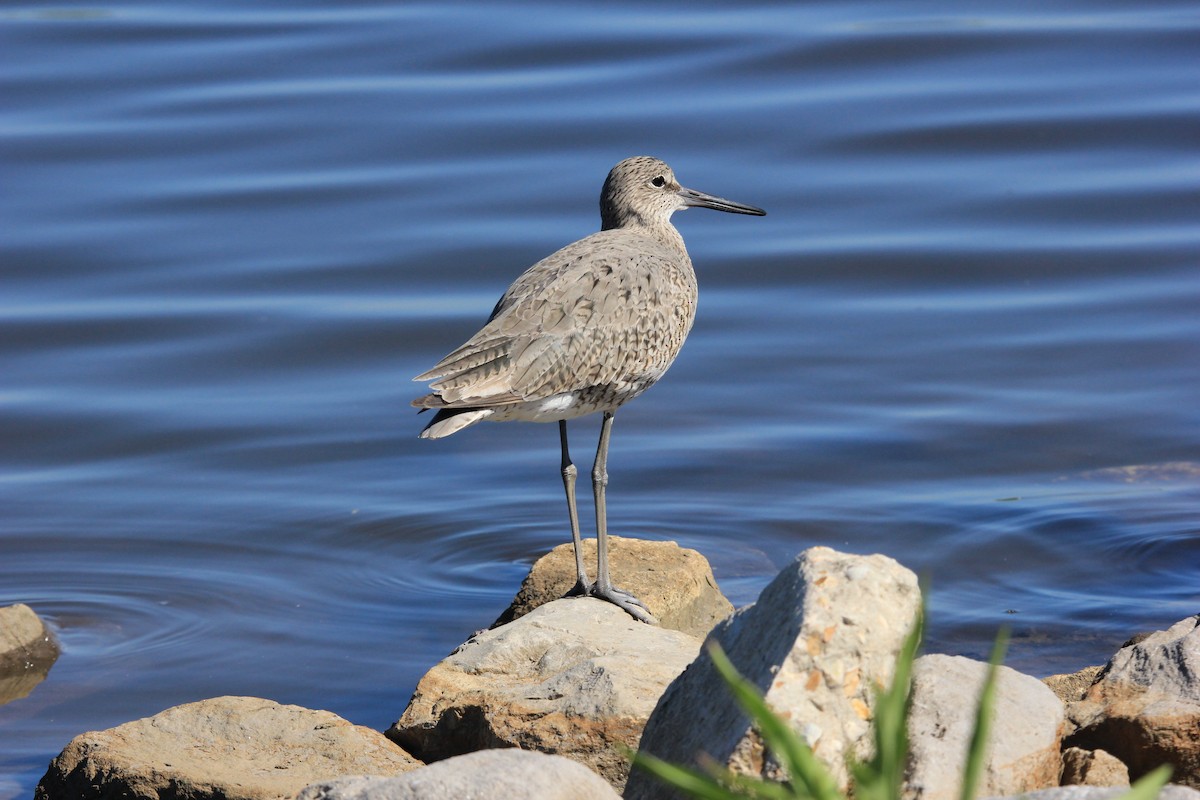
623 600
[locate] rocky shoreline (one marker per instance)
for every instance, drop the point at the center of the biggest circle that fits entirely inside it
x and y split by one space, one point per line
547 702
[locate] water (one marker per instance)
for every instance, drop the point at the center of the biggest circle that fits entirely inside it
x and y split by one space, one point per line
965 336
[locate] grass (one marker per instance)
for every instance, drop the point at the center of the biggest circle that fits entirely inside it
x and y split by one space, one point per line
879 778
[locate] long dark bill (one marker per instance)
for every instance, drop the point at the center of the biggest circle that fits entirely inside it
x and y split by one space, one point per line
696 199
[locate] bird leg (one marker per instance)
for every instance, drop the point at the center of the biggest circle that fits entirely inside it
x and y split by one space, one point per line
603 587
582 586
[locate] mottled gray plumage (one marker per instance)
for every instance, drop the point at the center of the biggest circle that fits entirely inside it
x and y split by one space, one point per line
585 329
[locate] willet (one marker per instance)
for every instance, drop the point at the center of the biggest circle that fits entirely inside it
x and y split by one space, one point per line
585 329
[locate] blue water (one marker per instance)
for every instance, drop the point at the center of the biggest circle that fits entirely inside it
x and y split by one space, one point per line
967 334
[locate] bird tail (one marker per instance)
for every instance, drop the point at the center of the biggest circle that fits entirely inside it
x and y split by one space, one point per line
452 420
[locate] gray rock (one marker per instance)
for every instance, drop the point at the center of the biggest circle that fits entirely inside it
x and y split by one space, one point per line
576 677
1092 768
226 748
1145 706
1023 751
1169 792
1165 662
676 583
505 774
821 636
27 651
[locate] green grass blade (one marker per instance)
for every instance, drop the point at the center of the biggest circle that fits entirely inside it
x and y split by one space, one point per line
1149 785
806 772
892 742
694 782
745 786
977 750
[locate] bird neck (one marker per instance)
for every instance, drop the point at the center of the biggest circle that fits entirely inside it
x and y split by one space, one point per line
659 229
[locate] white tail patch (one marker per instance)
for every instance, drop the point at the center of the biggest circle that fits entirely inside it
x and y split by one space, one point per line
456 423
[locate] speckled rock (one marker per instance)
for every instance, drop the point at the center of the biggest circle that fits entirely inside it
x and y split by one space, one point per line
1072 686
226 748
819 639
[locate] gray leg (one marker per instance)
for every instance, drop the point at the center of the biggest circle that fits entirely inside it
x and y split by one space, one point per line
568 475
603 587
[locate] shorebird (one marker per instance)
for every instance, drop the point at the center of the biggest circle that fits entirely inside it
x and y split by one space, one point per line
584 330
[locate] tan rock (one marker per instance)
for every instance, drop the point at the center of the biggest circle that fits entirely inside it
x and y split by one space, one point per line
575 677
822 635
505 774
1092 768
1023 750
27 651
1145 706
676 583
1072 686
231 748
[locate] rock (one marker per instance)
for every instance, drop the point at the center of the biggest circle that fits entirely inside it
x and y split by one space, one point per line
1072 686
1145 706
575 677
821 636
1092 768
24 638
1023 751
508 774
676 584
1163 662
231 748
27 651
1169 792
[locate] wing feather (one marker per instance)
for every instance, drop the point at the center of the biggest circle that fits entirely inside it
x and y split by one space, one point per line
596 312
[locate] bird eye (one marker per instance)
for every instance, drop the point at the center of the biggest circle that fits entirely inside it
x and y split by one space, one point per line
659 182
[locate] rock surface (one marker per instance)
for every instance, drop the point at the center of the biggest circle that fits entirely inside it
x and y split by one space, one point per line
1023 750
574 677
1169 792
27 651
507 774
676 583
232 748
1092 768
1145 706
821 636
1072 686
